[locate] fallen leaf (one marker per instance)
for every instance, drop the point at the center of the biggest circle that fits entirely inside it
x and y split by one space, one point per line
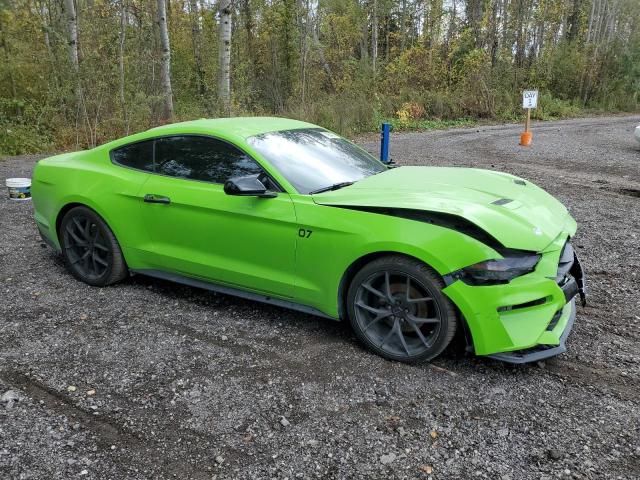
426 469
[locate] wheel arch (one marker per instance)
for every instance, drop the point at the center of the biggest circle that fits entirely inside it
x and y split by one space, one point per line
63 211
77 203
115 266
360 262
355 267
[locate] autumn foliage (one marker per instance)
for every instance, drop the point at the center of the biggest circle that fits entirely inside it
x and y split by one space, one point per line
345 64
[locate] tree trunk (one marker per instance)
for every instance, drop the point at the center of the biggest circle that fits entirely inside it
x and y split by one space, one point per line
224 56
325 65
403 25
374 36
196 39
474 13
364 30
590 29
46 28
574 21
494 44
287 49
304 20
123 31
505 24
165 67
72 50
451 29
435 22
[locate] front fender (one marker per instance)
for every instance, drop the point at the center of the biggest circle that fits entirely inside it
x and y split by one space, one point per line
341 237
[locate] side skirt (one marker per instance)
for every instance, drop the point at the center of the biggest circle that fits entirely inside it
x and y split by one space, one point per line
236 292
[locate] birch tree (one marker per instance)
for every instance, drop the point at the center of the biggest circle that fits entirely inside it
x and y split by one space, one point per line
72 47
165 63
224 56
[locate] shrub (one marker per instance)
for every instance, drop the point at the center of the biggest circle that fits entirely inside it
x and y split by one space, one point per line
411 111
550 107
20 130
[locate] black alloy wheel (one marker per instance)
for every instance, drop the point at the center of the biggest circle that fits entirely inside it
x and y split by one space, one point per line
397 309
91 252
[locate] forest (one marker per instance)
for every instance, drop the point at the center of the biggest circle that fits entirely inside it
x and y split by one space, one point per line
77 73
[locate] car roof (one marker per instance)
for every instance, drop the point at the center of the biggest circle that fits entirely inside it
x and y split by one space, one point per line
234 129
237 126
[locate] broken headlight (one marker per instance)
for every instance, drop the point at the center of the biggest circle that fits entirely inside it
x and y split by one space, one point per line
498 271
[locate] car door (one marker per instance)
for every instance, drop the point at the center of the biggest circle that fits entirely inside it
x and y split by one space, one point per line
119 192
198 230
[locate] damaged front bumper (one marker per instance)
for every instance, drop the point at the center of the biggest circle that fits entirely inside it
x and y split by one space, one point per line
530 318
540 352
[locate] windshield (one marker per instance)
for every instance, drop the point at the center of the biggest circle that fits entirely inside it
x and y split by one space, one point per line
313 159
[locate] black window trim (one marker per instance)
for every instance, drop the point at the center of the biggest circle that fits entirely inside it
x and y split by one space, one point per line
153 140
153 153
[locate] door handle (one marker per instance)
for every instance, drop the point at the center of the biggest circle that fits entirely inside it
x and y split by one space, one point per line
152 198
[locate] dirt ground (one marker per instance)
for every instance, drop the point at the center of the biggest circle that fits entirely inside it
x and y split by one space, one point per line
149 379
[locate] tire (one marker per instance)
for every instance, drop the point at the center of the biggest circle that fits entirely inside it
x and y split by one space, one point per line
397 309
90 250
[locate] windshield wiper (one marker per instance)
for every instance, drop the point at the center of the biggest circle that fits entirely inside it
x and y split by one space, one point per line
335 186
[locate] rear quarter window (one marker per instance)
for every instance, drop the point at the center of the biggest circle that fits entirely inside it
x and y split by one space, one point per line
137 155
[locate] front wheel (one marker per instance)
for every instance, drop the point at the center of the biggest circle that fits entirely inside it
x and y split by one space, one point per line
91 252
397 309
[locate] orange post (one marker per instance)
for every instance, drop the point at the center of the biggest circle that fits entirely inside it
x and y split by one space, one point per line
526 137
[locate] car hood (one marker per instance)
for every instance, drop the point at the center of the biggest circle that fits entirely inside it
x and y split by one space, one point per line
515 212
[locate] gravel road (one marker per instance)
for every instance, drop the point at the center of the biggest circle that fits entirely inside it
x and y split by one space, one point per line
149 379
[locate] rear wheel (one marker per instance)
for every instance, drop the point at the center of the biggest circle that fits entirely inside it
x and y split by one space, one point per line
91 252
397 309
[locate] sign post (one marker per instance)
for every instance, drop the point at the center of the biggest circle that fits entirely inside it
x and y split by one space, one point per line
529 101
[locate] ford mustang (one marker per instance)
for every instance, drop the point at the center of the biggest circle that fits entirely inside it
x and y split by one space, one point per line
286 212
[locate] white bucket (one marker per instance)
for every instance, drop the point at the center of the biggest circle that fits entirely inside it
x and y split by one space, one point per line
19 188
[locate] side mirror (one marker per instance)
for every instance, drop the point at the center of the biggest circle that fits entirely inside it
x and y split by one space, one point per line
247 186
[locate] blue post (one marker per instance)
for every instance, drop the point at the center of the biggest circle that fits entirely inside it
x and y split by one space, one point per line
384 142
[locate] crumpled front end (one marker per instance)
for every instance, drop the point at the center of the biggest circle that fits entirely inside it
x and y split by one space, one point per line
530 317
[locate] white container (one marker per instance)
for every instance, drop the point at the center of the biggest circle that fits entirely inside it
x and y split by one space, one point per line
19 188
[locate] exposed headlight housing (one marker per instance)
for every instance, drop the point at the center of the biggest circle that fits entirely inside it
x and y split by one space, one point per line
491 272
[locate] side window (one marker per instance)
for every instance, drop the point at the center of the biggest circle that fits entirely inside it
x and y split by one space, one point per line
202 158
137 155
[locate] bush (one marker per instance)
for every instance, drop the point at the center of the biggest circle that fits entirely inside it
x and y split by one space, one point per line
550 108
346 113
441 105
411 111
23 133
21 139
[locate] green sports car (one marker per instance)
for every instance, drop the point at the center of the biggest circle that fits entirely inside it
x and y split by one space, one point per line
289 213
